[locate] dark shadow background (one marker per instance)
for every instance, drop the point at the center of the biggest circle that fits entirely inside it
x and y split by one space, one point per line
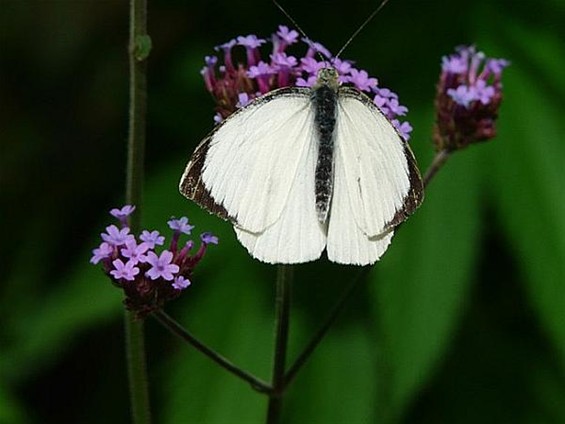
462 322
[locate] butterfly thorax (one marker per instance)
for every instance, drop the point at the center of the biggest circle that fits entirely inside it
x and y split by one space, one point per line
324 99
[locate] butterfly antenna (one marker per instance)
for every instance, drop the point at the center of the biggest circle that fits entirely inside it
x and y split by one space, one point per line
363 25
300 30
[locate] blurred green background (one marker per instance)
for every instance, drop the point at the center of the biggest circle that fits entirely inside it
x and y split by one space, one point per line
462 321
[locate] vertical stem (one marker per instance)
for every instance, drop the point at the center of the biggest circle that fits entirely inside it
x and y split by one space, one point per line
439 160
282 312
134 330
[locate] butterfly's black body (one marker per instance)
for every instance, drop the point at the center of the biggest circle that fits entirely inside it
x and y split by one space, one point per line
324 99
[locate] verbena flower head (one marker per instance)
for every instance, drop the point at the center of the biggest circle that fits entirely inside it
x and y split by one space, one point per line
267 64
149 278
469 94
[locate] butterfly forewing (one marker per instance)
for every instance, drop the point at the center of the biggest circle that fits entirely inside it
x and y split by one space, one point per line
247 165
375 161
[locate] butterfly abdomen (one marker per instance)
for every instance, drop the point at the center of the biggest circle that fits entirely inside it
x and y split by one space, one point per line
324 99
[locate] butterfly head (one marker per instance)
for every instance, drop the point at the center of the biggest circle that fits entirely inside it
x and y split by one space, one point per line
329 77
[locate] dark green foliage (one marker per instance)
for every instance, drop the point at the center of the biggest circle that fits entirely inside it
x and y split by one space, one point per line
463 320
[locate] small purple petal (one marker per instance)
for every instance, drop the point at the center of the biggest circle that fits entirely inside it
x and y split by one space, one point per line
103 251
181 283
361 80
126 271
161 266
181 225
124 212
259 70
250 41
310 82
311 65
208 238
343 67
282 60
404 129
463 95
287 35
242 100
152 238
396 108
135 252
115 236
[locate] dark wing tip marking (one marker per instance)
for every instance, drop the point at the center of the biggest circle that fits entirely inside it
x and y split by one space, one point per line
415 195
192 186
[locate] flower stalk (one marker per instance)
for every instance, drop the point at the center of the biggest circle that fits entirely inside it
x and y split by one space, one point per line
134 329
282 321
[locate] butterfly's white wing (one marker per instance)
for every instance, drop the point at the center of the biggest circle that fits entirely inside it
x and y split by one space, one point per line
257 169
245 168
376 182
297 236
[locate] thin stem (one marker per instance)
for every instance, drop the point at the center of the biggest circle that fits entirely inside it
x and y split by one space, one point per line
134 330
439 160
175 328
282 320
332 317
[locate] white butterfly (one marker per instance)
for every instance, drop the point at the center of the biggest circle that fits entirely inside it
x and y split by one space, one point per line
301 170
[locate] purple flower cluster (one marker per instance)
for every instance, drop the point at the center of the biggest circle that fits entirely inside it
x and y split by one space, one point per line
148 278
235 83
469 94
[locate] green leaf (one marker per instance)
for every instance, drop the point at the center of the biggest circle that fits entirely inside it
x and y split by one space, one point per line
339 383
420 285
527 171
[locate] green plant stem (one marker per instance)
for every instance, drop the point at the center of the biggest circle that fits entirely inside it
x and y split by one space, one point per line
332 317
437 163
134 329
282 321
176 329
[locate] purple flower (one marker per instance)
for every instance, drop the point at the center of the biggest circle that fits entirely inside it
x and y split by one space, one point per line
462 95
148 279
161 266
259 70
180 225
361 80
243 100
396 108
126 271
135 252
208 238
469 94
103 251
311 65
343 68
250 41
116 237
404 128
152 238
233 85
282 60
181 283
122 213
287 35
310 82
